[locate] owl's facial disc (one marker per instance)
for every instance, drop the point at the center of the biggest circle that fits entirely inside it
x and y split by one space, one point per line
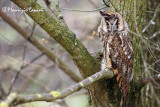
112 25
110 22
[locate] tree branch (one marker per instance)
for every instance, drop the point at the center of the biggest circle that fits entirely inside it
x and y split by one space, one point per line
59 95
67 39
154 78
9 100
3 94
42 86
47 52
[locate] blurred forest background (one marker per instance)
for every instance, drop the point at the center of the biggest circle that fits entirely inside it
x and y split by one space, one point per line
42 75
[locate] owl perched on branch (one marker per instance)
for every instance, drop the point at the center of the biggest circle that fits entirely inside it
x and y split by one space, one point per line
117 49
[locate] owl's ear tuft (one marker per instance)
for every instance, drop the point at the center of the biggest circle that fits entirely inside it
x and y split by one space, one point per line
102 13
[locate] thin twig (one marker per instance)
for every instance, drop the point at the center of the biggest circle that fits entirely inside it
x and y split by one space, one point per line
142 38
145 81
155 34
147 71
14 80
57 12
22 66
20 69
139 32
151 21
3 94
104 2
42 86
80 10
33 29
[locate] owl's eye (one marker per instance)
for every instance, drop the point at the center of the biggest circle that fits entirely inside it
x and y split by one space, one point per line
107 22
112 15
106 18
117 23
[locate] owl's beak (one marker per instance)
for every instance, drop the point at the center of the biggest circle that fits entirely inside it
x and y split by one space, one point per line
113 27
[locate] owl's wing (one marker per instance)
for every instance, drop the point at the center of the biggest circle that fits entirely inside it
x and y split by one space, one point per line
121 55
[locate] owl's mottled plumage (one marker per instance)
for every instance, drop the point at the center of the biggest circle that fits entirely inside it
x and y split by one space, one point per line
117 49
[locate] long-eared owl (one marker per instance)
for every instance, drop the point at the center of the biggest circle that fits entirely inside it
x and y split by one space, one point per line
117 49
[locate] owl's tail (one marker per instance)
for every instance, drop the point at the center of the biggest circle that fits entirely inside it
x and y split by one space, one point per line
123 85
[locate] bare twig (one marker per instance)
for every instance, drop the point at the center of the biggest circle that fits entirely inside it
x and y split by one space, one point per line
152 20
42 86
59 8
155 95
66 92
56 11
3 94
33 76
145 81
143 40
154 35
80 10
14 80
147 71
33 28
23 66
140 33
104 2
20 69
